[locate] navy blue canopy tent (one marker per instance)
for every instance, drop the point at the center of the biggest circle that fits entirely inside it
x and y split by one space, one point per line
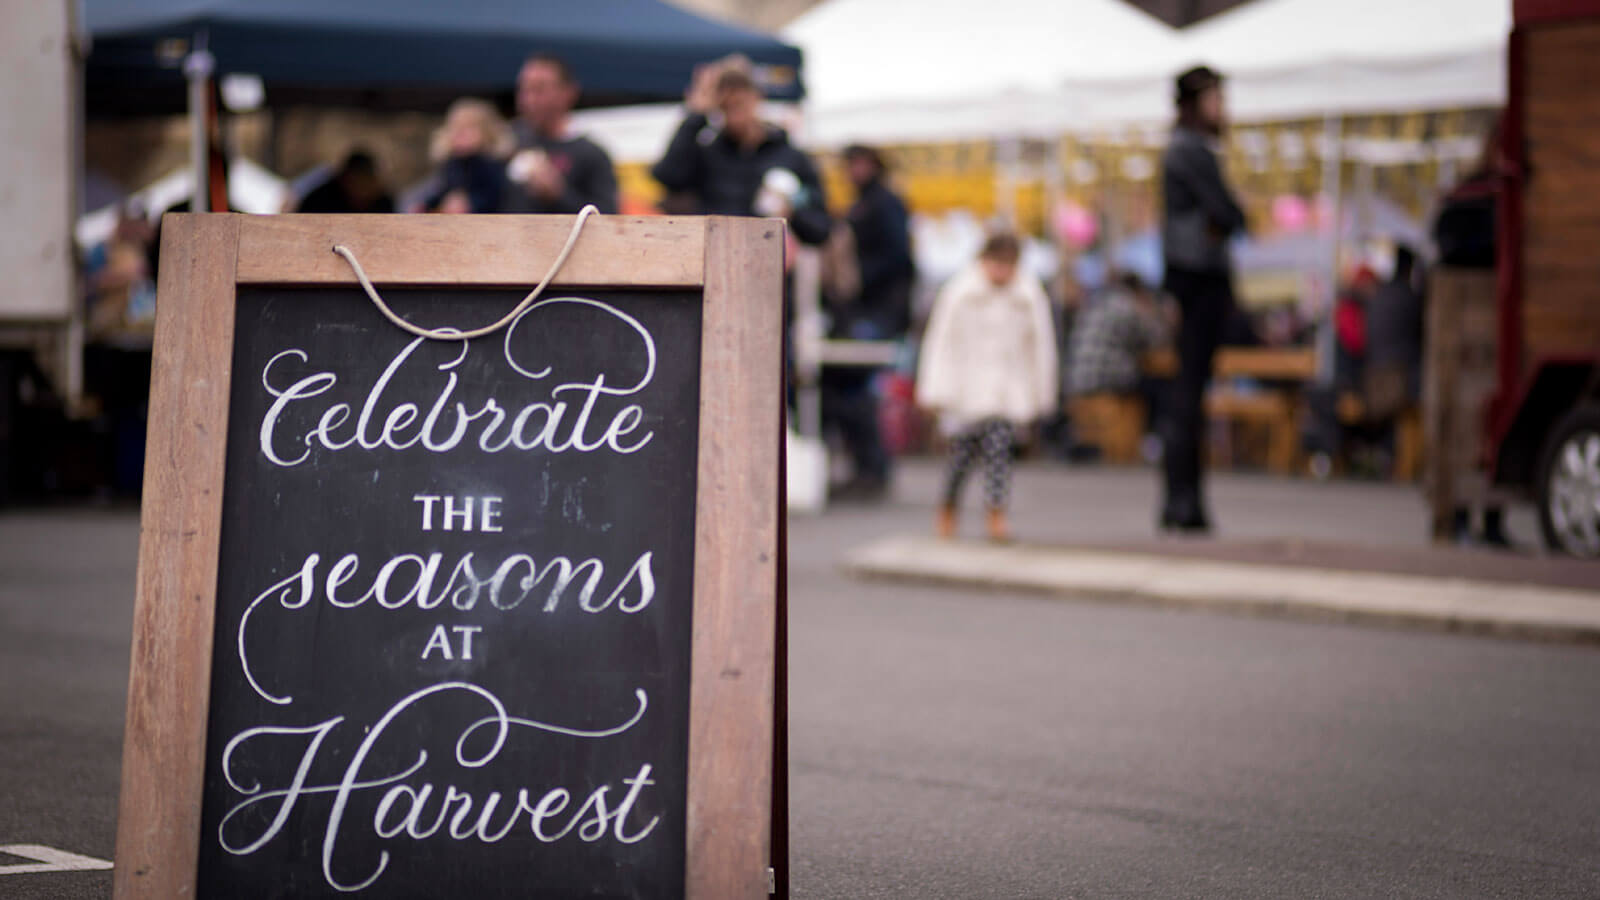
410 54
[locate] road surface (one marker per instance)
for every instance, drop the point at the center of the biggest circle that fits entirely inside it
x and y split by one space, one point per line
962 744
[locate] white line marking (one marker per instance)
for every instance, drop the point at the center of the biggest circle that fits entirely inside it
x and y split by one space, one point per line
49 860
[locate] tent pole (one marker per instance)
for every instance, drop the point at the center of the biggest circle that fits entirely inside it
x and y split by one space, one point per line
197 68
1332 173
1008 161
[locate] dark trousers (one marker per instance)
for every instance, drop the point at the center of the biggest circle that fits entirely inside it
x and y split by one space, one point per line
850 405
121 379
1206 300
849 402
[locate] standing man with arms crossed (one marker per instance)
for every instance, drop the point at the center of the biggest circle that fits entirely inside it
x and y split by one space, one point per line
1200 215
555 170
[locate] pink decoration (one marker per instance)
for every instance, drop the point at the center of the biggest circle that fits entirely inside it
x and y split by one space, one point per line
1290 212
1076 225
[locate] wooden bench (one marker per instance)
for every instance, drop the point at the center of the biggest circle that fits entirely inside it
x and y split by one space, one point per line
1273 413
1408 440
1296 364
1113 422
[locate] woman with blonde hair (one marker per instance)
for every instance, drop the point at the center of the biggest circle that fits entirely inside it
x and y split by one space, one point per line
470 150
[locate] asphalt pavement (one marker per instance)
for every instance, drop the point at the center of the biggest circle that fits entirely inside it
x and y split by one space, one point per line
952 742
960 742
66 619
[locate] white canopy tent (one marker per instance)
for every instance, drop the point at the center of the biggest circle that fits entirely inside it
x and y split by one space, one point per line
956 69
881 71
1302 58
1018 68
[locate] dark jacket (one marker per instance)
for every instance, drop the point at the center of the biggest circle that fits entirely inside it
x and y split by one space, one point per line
481 177
882 233
1200 214
1465 228
586 168
1394 345
724 177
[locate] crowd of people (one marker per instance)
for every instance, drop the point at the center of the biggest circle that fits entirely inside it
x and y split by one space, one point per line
997 355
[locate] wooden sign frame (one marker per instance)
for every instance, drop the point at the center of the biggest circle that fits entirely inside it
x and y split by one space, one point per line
735 752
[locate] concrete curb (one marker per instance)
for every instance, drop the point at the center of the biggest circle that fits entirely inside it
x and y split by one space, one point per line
1444 603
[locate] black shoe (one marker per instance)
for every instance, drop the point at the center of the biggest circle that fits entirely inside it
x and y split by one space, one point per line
862 489
1497 540
1494 529
1185 518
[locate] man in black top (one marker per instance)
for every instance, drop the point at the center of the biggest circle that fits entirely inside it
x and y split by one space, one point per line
1200 215
882 232
724 168
554 170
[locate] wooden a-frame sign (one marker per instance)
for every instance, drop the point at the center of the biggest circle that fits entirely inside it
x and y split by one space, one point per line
387 638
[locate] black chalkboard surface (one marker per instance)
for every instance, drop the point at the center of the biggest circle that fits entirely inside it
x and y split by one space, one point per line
454 595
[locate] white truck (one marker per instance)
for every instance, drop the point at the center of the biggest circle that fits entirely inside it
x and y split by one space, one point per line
41 325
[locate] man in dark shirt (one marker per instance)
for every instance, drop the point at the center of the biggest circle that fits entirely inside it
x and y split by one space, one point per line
882 232
1200 215
555 170
724 167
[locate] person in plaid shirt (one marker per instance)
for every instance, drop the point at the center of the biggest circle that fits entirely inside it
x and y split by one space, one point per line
1110 335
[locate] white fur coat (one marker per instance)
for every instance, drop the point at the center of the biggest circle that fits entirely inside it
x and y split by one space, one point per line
989 352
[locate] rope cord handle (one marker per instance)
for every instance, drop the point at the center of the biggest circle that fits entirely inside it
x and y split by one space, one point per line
451 334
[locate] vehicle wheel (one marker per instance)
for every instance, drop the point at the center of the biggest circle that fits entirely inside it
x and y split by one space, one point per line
1569 485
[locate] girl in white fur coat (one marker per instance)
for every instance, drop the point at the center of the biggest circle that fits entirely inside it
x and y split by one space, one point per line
988 366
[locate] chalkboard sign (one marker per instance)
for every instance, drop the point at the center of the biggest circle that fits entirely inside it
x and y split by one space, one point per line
435 618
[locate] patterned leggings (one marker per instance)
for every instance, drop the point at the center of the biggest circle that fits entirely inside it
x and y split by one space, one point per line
990 439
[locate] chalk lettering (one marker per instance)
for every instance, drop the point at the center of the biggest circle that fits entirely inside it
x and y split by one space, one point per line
439 641
452 513
570 419
466 632
406 808
427 501
489 520
408 579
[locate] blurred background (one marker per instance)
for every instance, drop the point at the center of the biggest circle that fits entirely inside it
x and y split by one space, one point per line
1349 126
1400 421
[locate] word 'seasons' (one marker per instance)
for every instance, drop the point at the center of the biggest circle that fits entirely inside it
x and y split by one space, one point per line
412 579
420 811
553 425
441 641
488 512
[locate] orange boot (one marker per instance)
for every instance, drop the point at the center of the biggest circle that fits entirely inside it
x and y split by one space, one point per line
999 526
944 522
